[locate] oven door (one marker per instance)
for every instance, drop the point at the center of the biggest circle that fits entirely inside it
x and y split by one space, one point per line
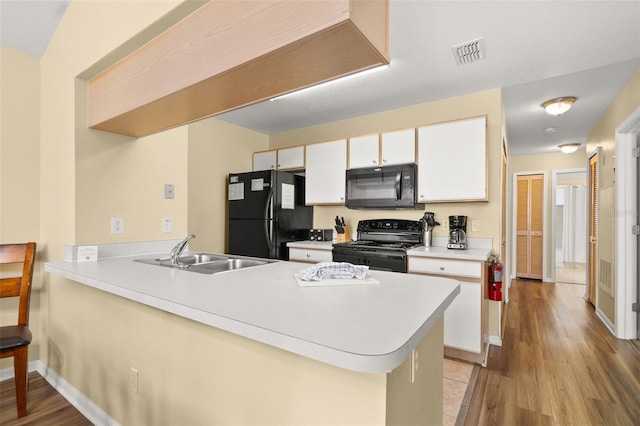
388 187
381 260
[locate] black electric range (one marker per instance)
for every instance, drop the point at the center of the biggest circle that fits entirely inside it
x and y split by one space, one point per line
382 244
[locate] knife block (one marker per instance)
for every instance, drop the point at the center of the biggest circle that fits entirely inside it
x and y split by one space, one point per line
346 237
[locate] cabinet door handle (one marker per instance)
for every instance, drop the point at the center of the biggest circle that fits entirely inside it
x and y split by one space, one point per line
442 268
374 161
308 255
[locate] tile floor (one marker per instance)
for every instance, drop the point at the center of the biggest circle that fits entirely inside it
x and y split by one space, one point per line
456 378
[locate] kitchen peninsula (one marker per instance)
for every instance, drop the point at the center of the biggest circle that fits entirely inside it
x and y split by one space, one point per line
356 354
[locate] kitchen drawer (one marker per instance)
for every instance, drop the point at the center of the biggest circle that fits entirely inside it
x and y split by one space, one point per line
439 266
306 255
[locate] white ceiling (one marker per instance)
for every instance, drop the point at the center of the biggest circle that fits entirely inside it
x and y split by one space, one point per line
535 50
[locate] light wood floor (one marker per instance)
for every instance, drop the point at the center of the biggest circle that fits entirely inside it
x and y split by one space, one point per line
558 365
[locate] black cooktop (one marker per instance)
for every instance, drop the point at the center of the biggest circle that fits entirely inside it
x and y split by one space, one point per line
386 234
369 243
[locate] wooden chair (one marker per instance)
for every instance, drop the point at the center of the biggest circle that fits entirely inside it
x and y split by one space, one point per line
15 339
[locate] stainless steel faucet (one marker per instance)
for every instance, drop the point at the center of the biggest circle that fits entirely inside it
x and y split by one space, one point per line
179 248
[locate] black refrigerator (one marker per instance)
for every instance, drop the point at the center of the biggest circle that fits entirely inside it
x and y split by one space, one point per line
266 210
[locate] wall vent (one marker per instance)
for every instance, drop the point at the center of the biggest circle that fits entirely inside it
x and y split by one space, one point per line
469 52
606 276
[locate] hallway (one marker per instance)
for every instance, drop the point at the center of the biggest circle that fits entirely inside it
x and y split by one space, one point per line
558 365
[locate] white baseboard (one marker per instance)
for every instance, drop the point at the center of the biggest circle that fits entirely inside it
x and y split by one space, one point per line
83 404
606 321
495 340
7 373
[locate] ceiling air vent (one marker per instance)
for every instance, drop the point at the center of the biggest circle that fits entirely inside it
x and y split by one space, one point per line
468 52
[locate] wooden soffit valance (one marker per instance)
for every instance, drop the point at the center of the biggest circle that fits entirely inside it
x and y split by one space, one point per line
230 54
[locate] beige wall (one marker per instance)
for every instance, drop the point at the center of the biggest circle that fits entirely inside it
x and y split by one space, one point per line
602 136
20 174
216 149
89 176
542 163
482 103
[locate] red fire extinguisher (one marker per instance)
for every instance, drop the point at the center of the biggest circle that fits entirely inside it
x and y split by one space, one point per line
495 280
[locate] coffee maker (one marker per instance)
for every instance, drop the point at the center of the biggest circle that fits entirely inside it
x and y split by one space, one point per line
457 232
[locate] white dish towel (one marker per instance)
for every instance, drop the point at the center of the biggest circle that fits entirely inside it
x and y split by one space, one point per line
334 274
334 270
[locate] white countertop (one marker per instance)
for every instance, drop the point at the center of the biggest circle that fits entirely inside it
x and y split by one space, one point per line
481 254
313 245
471 253
368 328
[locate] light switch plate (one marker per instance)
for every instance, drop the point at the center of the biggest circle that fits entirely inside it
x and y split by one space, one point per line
475 225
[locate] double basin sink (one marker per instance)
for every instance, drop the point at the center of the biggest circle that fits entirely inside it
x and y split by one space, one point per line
207 263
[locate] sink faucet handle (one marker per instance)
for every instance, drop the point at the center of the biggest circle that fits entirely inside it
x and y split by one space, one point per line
179 248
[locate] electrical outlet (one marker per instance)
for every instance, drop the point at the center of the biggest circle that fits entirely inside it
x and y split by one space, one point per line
167 225
117 226
169 191
475 225
445 225
134 381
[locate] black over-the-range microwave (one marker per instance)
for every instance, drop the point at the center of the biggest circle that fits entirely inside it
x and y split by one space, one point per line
388 187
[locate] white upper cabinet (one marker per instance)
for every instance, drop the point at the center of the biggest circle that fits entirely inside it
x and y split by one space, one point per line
280 159
325 172
452 161
398 147
265 160
291 158
364 151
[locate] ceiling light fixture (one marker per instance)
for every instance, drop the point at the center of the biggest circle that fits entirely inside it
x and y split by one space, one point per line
343 78
558 106
569 148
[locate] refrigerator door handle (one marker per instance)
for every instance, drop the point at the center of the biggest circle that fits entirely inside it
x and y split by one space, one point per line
268 222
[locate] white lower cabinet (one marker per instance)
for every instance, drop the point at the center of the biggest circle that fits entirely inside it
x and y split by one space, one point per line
465 319
310 255
462 325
